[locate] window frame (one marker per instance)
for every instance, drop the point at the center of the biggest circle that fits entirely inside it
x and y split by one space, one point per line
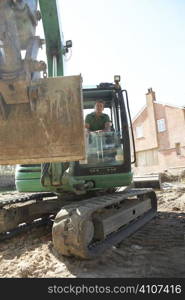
161 125
139 131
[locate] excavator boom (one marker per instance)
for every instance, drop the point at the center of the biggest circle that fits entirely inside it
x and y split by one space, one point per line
41 118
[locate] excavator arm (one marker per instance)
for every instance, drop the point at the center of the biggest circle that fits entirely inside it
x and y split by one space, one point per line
41 117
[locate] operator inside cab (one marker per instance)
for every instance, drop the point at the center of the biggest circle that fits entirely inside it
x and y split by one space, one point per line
97 120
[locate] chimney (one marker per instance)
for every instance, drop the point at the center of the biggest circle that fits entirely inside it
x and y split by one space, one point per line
150 103
150 96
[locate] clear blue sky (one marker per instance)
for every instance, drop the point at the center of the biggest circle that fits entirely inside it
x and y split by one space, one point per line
141 40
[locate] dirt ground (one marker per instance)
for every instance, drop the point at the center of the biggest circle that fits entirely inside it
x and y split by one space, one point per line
156 250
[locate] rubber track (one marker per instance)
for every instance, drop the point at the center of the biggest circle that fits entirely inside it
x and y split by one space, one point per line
39 222
36 196
70 224
25 227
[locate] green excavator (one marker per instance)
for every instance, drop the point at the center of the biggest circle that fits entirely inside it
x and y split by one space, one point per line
42 132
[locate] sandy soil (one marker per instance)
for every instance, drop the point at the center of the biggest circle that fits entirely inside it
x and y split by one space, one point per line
156 250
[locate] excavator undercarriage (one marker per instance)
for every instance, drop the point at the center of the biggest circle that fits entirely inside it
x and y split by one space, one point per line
82 228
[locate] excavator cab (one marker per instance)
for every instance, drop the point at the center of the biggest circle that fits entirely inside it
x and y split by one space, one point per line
108 153
105 147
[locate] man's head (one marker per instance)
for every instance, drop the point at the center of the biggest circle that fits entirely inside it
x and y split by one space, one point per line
99 106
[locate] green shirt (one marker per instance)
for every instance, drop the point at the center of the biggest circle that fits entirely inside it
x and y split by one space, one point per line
96 122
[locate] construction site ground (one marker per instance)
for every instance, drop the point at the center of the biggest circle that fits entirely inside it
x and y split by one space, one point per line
156 250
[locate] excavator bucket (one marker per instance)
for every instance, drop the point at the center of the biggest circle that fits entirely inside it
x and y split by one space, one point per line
47 129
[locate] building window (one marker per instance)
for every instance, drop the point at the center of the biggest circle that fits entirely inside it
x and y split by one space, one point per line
161 125
139 132
178 148
147 158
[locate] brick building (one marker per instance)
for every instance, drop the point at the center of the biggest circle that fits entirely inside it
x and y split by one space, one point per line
159 133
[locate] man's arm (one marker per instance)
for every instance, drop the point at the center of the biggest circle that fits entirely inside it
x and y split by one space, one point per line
107 124
87 125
